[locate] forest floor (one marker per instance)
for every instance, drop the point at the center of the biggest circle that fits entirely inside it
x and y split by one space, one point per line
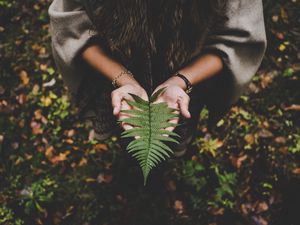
52 171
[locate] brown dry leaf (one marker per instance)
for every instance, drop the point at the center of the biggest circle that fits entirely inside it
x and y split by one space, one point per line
83 162
39 221
264 133
69 141
275 18
1 138
42 51
259 220
22 98
38 114
280 140
293 107
70 133
194 158
28 156
101 147
24 77
296 171
219 143
43 67
171 185
218 212
262 207
249 138
104 178
35 47
246 208
243 123
36 128
178 206
266 80
280 35
49 152
61 157
240 160
284 150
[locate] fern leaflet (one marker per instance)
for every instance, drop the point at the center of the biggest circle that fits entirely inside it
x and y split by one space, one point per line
150 121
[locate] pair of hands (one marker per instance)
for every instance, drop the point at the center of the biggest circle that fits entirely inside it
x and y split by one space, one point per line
174 96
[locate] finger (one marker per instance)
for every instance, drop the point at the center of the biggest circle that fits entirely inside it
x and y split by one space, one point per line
184 107
124 106
116 99
175 121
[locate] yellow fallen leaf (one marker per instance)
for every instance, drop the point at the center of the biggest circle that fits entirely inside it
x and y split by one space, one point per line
282 47
24 77
46 101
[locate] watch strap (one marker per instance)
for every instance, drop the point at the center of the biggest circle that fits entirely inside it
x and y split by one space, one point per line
188 84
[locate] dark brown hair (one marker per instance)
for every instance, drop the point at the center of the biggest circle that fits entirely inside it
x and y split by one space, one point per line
174 27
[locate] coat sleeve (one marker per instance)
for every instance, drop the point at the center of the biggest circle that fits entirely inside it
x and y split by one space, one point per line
241 43
70 30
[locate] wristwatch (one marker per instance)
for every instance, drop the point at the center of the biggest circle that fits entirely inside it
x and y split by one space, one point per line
188 84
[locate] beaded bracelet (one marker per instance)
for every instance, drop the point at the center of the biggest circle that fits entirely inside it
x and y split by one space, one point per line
114 82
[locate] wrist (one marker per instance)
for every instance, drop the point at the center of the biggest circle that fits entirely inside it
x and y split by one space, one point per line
127 80
174 81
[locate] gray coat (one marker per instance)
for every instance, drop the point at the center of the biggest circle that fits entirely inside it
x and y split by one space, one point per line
242 44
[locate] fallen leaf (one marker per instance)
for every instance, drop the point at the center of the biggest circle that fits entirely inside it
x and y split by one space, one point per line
101 147
90 180
258 220
69 141
171 185
49 152
293 107
262 207
104 178
50 83
38 114
264 133
296 171
46 101
280 140
178 206
249 138
24 77
217 212
83 162
70 133
60 158
36 128
22 98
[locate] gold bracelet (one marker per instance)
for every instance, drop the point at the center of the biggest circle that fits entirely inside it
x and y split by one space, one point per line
114 82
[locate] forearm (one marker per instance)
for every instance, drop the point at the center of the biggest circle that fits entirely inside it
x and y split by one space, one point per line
105 65
200 69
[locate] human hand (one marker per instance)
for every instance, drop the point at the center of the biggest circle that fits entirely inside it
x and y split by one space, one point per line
175 97
119 97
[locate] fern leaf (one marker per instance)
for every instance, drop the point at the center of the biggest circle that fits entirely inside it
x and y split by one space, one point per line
149 120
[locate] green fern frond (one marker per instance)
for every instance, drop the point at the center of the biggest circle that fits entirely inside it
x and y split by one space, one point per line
149 120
